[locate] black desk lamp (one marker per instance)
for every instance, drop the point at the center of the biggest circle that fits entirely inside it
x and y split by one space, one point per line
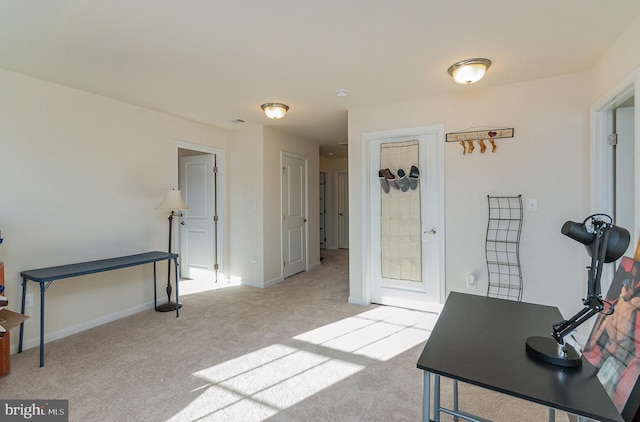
172 201
605 243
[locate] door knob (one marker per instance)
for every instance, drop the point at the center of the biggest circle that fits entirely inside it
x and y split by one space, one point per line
432 231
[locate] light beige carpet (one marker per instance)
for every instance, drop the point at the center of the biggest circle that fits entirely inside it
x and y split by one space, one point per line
296 351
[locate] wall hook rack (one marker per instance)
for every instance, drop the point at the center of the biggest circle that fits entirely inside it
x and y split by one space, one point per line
466 139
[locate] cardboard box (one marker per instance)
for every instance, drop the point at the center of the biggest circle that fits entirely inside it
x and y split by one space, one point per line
5 341
9 320
5 361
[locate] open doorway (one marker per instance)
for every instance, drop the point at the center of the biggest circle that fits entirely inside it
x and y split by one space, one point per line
200 173
615 161
334 179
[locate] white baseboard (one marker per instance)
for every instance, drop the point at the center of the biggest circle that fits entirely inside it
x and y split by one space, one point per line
357 301
261 284
35 341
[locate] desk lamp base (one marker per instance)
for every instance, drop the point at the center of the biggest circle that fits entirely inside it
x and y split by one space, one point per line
548 350
168 307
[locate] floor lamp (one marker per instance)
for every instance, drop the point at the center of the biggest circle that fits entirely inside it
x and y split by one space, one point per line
172 201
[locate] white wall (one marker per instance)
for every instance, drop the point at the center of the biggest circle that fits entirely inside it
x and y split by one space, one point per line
255 200
80 177
622 58
546 160
246 197
616 75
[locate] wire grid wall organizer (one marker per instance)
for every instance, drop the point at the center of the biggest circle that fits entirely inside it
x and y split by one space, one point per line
502 247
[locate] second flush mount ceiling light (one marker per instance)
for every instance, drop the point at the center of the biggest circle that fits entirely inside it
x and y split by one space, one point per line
275 110
469 71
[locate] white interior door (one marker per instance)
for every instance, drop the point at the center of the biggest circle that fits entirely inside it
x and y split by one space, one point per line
197 229
343 210
294 214
423 287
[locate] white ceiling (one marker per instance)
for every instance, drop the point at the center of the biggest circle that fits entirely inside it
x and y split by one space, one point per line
214 61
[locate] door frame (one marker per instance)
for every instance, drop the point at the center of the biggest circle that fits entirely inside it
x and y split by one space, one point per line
339 225
366 259
220 194
322 204
601 155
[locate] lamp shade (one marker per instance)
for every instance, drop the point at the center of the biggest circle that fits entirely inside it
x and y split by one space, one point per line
275 110
173 201
616 245
469 71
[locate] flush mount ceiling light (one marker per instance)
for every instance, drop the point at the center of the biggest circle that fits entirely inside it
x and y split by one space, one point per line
275 110
469 71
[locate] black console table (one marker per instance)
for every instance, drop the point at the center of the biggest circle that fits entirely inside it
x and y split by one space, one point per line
481 341
46 276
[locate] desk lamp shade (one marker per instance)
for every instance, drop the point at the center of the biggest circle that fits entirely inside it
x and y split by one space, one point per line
616 246
605 243
172 201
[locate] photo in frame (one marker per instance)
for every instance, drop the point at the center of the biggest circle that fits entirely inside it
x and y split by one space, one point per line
614 343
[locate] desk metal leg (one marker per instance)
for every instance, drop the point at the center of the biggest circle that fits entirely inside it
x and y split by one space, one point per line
436 398
24 296
455 399
552 414
426 396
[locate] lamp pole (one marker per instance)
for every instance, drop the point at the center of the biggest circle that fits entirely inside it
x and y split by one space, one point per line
169 306
172 201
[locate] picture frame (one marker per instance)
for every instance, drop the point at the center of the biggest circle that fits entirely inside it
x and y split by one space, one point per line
613 346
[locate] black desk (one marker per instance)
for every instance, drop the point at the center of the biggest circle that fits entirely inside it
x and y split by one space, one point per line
46 276
481 341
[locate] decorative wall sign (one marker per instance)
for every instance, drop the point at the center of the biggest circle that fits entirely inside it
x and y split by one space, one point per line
466 138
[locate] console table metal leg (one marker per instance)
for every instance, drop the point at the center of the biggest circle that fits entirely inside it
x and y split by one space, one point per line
155 299
426 396
42 291
24 296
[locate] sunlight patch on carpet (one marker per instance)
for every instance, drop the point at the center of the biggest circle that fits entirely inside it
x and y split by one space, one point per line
202 280
380 333
258 385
